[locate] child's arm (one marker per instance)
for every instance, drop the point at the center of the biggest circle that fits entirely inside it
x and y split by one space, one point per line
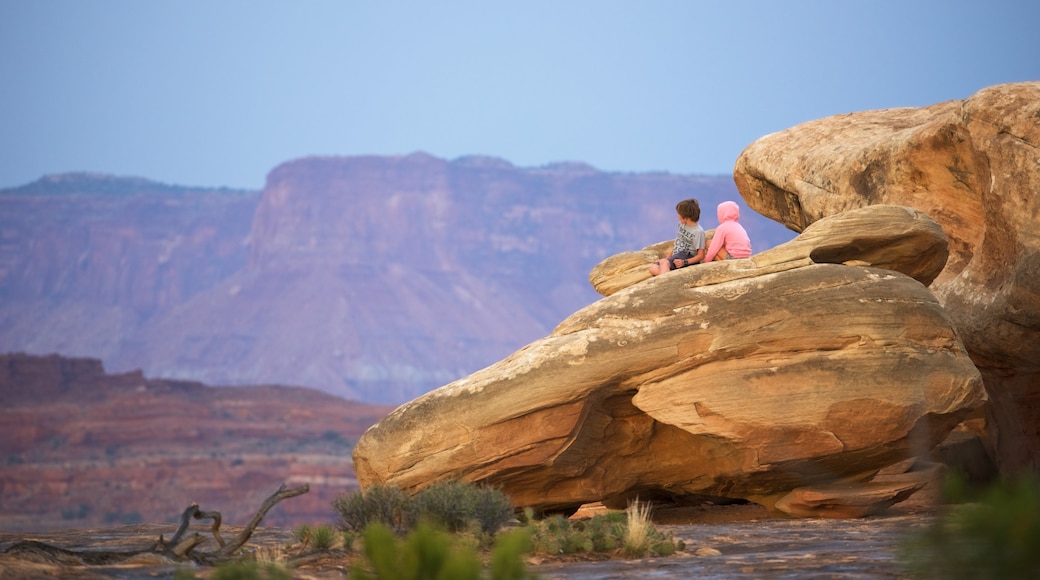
697 258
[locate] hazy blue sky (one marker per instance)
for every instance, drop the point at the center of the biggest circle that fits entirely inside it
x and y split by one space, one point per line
218 93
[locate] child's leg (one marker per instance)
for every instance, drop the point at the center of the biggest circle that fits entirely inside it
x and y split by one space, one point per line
659 267
722 255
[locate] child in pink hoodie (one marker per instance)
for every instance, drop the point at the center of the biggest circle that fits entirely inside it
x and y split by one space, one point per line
731 239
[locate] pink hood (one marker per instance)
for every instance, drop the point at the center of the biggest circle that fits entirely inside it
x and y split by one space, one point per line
729 211
730 234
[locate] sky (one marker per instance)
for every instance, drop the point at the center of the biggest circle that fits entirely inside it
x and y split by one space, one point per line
219 92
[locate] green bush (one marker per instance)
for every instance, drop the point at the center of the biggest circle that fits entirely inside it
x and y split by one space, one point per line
557 535
453 505
461 507
428 553
449 504
493 509
609 532
996 534
320 538
507 558
603 533
324 537
387 505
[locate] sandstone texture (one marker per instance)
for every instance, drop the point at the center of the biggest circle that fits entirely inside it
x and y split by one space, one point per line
973 166
816 363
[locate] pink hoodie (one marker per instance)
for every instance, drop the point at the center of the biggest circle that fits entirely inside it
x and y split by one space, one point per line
730 234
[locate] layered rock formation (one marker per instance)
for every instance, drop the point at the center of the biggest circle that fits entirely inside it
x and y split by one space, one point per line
83 448
974 166
770 379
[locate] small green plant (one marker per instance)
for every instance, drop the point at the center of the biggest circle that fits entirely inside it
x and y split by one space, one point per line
303 534
994 535
507 558
630 533
429 553
324 537
603 532
557 535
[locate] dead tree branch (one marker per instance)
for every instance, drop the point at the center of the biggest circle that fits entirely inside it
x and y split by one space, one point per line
185 520
225 551
183 549
177 546
193 511
215 528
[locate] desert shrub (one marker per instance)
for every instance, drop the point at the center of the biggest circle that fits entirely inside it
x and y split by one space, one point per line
603 532
507 558
611 532
994 533
558 535
320 538
453 505
448 504
387 505
324 537
492 509
430 553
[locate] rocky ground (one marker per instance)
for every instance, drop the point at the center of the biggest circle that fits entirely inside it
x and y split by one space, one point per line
740 541
750 545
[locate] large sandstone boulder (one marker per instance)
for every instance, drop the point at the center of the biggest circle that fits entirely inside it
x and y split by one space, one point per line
974 166
784 375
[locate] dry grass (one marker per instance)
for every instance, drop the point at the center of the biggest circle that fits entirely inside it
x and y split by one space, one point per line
638 532
271 555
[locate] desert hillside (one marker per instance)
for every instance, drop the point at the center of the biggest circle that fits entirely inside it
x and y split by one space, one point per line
83 448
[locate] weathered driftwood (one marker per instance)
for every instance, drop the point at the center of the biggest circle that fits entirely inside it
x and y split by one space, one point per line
178 547
226 551
193 512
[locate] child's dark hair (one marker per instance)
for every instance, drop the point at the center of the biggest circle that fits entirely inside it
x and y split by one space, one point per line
689 209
